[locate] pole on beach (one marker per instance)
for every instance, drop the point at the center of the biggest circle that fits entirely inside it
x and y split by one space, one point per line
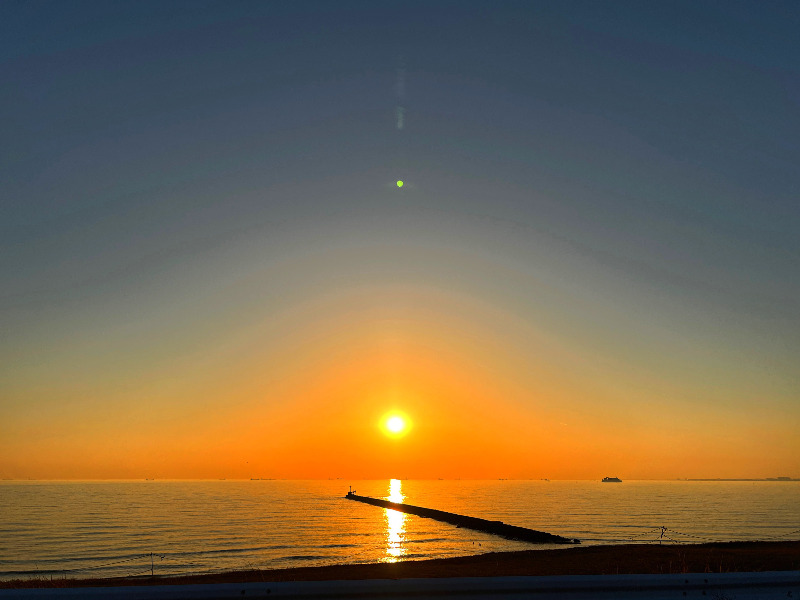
152 565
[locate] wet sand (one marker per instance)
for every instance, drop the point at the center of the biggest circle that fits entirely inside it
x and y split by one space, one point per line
590 560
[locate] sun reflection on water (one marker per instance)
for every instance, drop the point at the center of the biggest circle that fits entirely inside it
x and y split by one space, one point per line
395 524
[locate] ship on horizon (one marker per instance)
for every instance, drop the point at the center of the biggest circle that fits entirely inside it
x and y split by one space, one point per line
612 480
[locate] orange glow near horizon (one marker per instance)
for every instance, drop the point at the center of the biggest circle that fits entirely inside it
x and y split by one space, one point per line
482 393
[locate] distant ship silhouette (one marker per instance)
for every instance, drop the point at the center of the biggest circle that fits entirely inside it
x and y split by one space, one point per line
612 480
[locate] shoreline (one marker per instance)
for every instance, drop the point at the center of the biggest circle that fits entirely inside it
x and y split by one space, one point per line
717 557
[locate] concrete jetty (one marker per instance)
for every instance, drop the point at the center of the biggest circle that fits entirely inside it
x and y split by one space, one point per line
494 527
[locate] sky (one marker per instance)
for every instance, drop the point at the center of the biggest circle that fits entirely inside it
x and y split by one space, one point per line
207 268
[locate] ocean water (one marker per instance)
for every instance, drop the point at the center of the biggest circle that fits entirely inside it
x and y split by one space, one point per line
115 528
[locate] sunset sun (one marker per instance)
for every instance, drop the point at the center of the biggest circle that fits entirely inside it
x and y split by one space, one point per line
395 424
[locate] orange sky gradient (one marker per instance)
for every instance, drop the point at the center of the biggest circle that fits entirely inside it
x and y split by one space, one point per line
208 269
490 395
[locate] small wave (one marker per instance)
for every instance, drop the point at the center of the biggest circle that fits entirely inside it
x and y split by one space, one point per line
92 559
338 545
425 541
305 557
231 550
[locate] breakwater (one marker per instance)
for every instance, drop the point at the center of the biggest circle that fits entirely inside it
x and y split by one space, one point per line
511 532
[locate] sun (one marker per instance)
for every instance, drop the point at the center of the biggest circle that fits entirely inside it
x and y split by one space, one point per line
395 424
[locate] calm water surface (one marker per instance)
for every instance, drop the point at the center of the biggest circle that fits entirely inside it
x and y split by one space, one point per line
83 529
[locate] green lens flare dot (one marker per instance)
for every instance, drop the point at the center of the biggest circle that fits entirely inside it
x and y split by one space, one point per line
399 183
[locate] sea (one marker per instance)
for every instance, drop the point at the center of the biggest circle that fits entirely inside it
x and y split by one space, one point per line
86 529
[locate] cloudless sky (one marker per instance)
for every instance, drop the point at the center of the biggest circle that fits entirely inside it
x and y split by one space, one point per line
208 270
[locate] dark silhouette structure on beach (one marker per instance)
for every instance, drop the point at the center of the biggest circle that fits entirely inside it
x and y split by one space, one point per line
511 532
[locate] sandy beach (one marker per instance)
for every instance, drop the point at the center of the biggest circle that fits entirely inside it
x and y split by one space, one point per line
728 557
